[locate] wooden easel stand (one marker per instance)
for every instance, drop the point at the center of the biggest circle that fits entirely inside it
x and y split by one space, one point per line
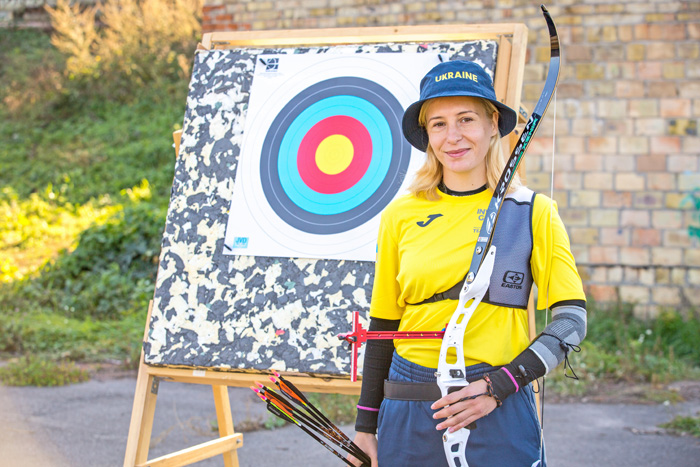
144 407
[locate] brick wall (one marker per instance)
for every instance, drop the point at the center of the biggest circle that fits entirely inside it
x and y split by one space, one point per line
627 151
29 13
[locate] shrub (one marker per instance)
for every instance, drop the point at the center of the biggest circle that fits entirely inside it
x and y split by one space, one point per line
110 273
34 229
31 72
139 43
616 330
107 52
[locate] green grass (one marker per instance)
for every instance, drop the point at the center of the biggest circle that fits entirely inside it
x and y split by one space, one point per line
33 371
94 155
35 229
684 426
339 408
273 422
110 273
86 340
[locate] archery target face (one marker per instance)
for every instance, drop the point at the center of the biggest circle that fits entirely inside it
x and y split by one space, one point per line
323 153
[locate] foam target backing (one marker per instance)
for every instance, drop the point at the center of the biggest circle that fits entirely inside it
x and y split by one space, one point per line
214 309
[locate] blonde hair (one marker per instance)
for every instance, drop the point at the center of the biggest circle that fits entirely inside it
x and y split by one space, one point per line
429 175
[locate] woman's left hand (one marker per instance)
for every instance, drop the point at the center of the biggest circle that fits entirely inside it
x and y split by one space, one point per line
460 414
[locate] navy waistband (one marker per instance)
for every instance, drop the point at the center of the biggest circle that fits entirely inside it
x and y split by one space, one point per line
421 374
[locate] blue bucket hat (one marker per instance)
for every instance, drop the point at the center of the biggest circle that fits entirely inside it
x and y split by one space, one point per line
454 78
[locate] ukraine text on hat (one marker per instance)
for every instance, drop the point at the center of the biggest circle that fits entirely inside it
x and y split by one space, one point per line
457 74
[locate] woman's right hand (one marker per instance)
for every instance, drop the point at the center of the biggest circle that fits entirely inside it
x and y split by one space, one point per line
368 443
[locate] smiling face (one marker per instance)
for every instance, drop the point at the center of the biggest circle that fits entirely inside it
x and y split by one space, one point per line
459 133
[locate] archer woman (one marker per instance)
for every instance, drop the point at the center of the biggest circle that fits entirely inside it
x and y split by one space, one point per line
426 240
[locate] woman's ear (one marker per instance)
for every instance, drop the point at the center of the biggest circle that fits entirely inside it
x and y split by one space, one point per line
494 120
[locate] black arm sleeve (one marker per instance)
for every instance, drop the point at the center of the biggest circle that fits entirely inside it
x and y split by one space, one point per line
550 348
532 368
378 355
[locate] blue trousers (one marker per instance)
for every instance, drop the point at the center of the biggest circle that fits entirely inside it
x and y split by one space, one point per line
509 436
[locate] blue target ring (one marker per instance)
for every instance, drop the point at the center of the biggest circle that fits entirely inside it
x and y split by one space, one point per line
380 132
299 205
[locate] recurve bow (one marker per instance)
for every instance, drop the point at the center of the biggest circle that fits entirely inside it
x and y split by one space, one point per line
450 372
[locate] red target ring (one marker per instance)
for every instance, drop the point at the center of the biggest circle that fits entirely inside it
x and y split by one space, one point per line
360 153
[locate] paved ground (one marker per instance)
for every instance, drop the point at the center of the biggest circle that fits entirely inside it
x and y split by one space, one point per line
87 424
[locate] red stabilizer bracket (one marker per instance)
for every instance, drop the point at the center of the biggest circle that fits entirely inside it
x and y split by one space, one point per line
360 335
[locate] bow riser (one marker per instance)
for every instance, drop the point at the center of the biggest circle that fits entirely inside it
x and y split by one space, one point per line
451 375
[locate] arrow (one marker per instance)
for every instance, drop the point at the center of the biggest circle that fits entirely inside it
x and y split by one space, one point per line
332 435
291 404
284 415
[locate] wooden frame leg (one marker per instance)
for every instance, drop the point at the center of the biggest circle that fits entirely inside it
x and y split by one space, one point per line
143 410
142 413
225 421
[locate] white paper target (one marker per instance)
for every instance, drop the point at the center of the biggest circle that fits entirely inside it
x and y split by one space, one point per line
323 153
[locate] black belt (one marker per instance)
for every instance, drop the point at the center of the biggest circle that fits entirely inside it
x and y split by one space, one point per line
407 391
410 391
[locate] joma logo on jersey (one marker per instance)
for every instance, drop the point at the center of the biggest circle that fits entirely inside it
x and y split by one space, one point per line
513 280
431 218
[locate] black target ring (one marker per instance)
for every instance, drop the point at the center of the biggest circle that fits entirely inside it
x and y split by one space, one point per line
314 223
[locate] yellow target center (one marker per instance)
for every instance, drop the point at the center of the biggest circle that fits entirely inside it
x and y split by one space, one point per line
334 154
